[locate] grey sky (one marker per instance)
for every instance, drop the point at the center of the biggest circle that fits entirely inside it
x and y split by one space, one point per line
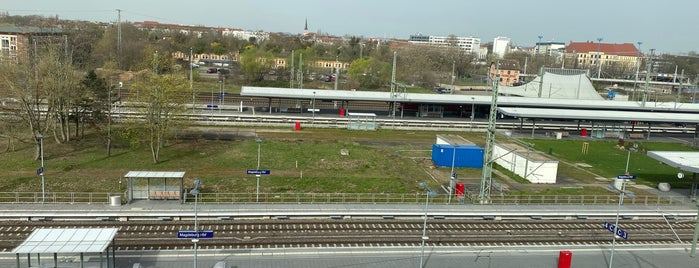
668 26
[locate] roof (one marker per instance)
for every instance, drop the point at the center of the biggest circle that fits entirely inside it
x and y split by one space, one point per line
506 64
687 161
70 240
362 114
625 49
599 115
464 99
556 86
154 174
30 30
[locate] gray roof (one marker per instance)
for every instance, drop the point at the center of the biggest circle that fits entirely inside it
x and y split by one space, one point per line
600 115
69 240
503 101
30 30
687 161
154 174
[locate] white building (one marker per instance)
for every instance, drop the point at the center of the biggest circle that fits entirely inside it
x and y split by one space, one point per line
245 35
501 46
468 44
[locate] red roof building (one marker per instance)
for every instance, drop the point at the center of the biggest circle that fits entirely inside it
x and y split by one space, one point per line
588 54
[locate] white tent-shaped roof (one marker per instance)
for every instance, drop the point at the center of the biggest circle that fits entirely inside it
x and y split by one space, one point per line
573 85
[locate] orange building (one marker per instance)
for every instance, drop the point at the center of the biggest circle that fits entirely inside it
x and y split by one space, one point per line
508 71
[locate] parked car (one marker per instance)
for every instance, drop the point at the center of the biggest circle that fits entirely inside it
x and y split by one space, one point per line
211 70
224 70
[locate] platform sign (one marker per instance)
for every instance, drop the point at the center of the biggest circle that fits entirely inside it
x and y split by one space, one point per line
258 172
211 106
193 234
40 171
619 232
626 177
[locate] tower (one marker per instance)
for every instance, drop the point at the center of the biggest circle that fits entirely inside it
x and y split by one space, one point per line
305 28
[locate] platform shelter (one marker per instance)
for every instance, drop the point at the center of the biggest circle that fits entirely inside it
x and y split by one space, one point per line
154 185
68 242
361 121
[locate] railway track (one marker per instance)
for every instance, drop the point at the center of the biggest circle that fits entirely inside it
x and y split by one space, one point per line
248 234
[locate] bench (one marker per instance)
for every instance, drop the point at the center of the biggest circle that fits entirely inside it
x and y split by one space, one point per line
611 135
636 136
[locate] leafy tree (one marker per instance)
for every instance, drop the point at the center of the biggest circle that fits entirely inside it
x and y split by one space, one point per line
370 73
255 63
163 98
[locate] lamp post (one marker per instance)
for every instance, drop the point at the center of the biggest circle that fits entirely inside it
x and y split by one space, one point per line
257 176
538 45
453 77
473 110
195 193
622 193
313 108
428 194
40 138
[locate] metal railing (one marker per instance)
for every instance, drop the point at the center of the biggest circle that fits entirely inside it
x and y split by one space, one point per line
349 198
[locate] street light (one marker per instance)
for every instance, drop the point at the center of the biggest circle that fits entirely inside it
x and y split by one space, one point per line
428 194
257 192
313 108
473 106
622 193
195 193
40 138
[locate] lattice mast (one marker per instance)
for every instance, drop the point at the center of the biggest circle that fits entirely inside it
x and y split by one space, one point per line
487 176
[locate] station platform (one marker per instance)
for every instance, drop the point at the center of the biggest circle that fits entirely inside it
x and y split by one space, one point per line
175 210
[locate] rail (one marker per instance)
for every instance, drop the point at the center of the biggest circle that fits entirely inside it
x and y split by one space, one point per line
348 198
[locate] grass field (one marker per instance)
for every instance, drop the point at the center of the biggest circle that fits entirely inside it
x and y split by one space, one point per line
308 161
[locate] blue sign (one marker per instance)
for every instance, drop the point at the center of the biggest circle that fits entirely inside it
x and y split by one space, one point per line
193 234
258 172
626 177
453 175
40 171
211 106
619 232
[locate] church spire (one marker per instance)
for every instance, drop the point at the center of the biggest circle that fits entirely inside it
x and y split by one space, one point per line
305 28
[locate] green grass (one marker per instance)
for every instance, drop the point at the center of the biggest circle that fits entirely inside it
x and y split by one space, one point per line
609 160
384 161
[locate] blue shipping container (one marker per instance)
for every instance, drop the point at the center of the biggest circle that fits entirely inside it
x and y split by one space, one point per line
465 156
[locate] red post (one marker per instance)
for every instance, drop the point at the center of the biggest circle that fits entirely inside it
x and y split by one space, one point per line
297 126
583 132
565 257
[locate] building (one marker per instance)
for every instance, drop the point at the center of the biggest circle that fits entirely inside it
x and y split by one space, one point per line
501 46
468 44
508 71
15 41
550 48
589 54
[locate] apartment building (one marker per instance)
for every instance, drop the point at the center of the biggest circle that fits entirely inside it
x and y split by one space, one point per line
15 41
508 71
590 54
468 44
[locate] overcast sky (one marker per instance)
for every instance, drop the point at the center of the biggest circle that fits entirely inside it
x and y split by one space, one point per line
669 26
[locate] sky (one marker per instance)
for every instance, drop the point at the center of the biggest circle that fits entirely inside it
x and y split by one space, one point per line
668 26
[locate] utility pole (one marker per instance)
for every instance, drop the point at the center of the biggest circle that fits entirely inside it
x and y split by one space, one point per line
119 38
291 74
191 79
453 67
393 85
649 64
300 74
487 175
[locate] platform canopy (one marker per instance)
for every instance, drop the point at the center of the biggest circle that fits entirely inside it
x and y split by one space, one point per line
687 161
599 115
154 174
69 240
